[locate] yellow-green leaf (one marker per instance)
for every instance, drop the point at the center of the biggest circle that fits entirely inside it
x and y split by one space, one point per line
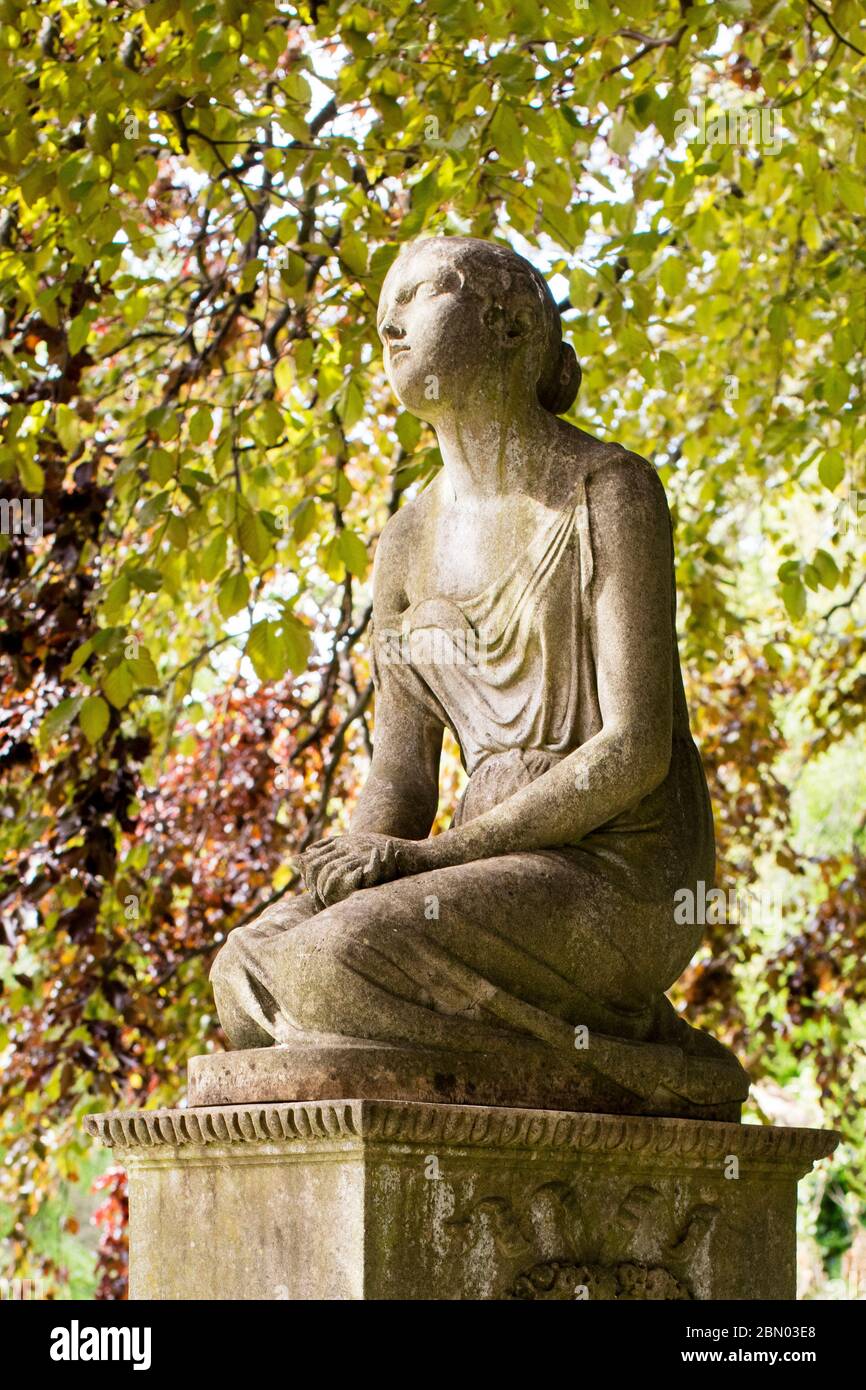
119 685
233 594
93 717
254 537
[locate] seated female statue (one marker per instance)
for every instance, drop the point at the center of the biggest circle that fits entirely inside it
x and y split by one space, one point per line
524 600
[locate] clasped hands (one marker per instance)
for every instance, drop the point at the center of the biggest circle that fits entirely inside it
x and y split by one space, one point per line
333 869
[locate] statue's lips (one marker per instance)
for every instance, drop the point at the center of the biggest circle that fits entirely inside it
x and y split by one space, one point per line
398 347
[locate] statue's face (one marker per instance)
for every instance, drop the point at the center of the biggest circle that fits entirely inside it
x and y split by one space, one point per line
431 326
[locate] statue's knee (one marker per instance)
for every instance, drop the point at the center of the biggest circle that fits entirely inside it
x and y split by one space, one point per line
325 984
220 966
224 958
231 996
228 960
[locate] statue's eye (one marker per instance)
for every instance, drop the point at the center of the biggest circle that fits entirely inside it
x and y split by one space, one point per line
422 288
446 283
449 282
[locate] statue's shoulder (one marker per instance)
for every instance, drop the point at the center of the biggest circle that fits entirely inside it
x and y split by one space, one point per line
619 473
403 528
399 542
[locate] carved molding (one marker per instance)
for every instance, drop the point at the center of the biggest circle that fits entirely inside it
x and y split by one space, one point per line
689 1142
625 1283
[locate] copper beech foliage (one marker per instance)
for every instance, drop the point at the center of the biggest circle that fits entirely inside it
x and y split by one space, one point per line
199 201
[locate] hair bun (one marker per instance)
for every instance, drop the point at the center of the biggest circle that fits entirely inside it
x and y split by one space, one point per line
558 390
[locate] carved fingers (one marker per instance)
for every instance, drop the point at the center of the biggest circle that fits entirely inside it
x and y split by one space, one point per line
333 869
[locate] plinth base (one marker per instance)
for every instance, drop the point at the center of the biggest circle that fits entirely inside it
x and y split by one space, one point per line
348 1199
612 1077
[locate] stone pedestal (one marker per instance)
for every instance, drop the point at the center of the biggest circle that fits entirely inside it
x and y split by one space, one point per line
357 1199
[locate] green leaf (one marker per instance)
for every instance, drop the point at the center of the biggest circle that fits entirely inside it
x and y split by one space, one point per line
58 718
670 369
116 598
507 137
831 469
233 594
78 330
268 422
351 404
143 670
285 230
93 718
297 88
213 557
304 519
777 322
196 477
149 580
78 658
160 466
851 189
582 288
837 384
828 570
154 508
621 137
354 553
298 643
672 275
67 427
353 254
118 685
254 538
267 651
331 559
200 425
794 598
31 474
169 425
284 375
408 430
177 532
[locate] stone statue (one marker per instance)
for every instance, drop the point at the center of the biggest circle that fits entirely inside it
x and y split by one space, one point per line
525 600
447 1006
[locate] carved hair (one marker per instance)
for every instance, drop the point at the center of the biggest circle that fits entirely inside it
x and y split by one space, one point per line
510 283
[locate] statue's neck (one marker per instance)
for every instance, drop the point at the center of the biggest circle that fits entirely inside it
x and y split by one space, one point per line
489 453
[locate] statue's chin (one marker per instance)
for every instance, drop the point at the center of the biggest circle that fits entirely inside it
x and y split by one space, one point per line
423 410
416 398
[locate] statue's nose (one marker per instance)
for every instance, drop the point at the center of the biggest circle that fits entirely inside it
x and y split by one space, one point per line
392 331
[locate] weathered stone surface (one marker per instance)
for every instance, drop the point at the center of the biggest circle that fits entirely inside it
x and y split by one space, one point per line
610 1077
525 601
349 1199
494 997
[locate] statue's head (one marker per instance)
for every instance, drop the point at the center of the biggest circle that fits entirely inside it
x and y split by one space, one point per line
457 313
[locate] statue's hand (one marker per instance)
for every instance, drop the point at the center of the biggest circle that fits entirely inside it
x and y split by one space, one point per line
333 869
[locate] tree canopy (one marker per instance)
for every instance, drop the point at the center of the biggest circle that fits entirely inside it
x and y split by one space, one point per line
200 201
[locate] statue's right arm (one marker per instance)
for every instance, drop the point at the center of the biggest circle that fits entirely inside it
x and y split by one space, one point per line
401 793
